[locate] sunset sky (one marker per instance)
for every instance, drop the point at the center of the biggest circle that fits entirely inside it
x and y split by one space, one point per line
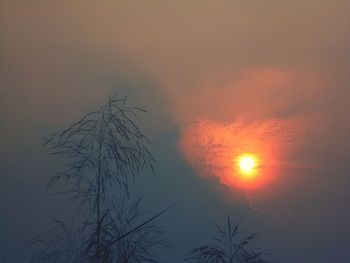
220 79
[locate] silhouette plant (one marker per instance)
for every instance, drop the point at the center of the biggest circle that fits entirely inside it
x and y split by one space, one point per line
103 151
229 247
126 237
4 259
61 244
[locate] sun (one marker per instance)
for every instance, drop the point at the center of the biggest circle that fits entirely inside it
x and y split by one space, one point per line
247 164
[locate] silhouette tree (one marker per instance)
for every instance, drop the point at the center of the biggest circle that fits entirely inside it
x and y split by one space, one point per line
229 247
103 151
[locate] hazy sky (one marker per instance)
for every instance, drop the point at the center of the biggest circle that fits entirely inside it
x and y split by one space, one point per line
213 75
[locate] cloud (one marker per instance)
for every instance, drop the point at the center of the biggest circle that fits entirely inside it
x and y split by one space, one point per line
253 94
212 148
269 112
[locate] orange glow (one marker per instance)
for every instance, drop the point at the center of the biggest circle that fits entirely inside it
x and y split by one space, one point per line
246 157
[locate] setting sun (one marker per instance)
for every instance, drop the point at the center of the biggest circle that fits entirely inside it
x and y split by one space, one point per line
247 164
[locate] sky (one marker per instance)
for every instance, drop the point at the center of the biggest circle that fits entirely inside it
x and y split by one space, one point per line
218 78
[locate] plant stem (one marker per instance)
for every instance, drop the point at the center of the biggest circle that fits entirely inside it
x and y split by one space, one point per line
99 191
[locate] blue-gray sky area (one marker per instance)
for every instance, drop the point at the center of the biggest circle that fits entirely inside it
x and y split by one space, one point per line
215 76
